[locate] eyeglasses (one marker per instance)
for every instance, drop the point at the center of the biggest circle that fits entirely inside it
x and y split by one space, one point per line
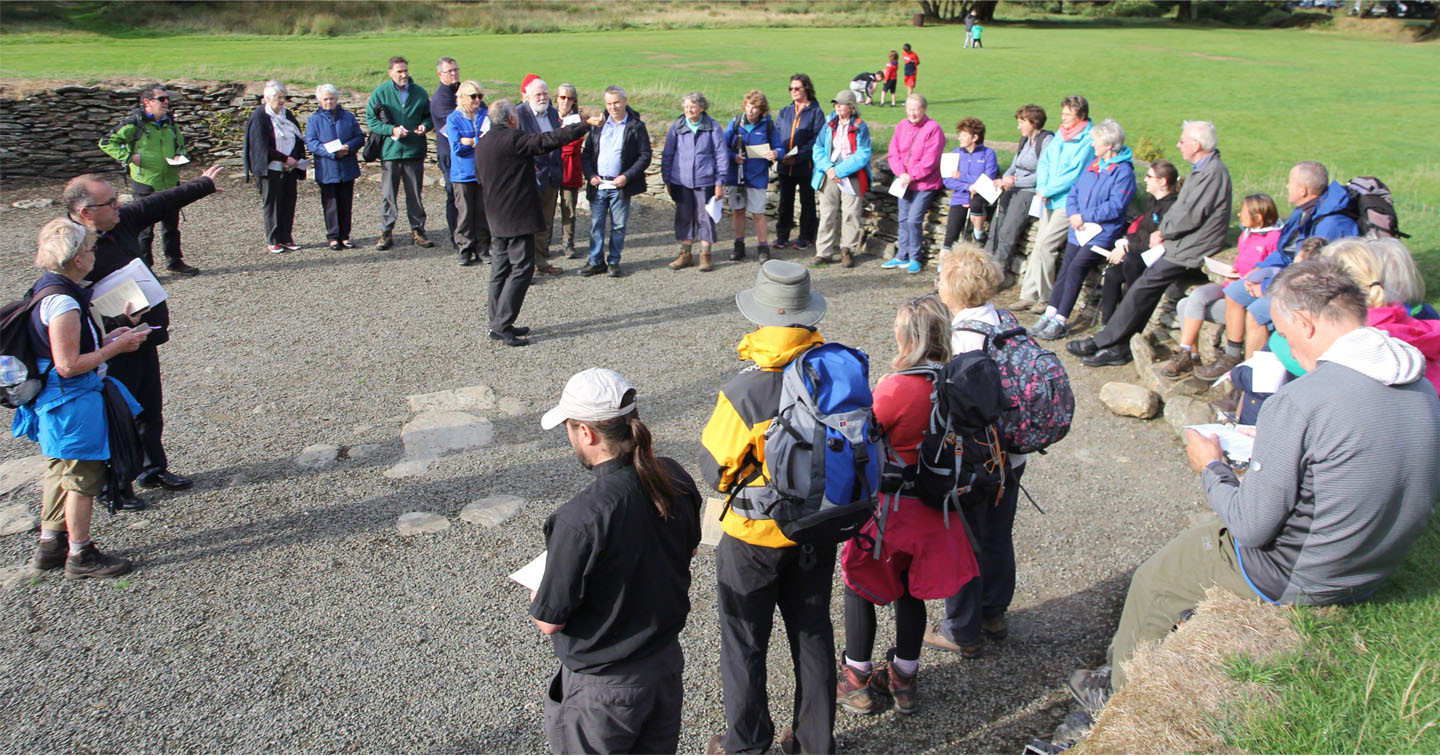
114 202
448 71
564 97
161 98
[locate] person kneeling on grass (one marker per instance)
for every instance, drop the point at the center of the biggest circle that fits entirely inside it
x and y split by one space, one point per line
1342 482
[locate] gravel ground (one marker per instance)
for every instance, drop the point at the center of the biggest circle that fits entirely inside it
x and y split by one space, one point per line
278 609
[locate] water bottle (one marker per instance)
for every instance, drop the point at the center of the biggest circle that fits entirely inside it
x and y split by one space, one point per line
12 371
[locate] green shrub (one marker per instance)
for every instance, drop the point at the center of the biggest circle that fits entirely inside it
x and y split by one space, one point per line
1148 149
1123 9
325 25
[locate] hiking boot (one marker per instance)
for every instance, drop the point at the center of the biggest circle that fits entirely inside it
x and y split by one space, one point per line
1182 362
385 241
937 640
590 270
91 563
707 262
1091 688
1223 364
904 690
739 252
762 253
51 554
682 260
418 236
852 690
847 258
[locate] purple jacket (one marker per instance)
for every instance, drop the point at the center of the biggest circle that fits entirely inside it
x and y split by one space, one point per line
695 160
973 165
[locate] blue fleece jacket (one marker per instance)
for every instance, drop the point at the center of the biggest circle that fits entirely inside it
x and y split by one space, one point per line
1101 195
764 133
973 165
1328 221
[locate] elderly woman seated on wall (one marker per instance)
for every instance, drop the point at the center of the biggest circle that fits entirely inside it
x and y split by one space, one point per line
1096 210
67 417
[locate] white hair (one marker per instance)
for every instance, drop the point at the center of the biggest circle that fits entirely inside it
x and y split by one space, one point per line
1108 132
534 82
273 88
327 90
1203 132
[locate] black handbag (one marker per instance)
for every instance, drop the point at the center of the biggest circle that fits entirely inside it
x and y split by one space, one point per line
127 456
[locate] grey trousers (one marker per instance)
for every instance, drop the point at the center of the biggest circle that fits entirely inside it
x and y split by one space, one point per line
633 710
512 265
548 197
569 198
392 174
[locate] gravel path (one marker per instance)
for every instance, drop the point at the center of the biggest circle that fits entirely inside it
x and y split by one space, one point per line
276 608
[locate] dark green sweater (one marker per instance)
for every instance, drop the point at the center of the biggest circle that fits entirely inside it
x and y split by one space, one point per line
415 112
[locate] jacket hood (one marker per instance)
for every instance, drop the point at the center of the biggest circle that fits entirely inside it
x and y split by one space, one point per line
1123 156
1334 200
1395 320
1378 356
774 347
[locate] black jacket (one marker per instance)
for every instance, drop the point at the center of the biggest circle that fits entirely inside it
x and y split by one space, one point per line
506 173
634 155
115 248
547 165
260 144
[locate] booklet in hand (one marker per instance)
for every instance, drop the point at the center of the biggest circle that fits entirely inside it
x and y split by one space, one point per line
531 574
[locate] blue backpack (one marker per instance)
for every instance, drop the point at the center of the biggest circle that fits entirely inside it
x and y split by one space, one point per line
822 448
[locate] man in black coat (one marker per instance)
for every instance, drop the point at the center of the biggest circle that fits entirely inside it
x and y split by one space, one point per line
613 160
91 201
506 172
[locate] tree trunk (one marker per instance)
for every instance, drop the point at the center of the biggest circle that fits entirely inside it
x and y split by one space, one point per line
1184 11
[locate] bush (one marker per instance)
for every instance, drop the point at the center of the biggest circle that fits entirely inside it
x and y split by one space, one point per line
1123 9
1148 149
325 25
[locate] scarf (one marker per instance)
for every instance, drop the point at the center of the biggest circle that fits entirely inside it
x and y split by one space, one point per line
1067 133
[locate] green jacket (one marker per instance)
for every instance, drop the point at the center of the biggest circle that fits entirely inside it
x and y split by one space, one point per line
139 134
415 112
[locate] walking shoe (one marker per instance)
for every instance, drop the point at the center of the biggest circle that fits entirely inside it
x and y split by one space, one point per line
1182 362
590 270
739 251
571 253
467 259
346 243
819 260
995 628
707 261
782 242
418 236
1082 348
1107 357
1076 726
892 263
1223 364
1047 329
385 241
179 266
124 501
548 269
334 246
852 690
938 640
276 249
614 270
1091 687
91 563
904 690
682 260
164 479
291 246
510 337
762 253
913 267
847 258
802 244
51 554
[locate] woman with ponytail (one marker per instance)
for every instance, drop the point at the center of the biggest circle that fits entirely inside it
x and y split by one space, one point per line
616 589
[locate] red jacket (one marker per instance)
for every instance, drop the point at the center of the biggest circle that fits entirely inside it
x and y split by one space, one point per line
570 174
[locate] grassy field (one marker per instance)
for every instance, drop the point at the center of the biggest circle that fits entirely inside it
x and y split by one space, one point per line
1276 96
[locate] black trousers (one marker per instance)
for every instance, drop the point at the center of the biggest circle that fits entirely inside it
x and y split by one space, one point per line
959 216
633 708
338 200
452 211
1117 279
512 265
169 231
1139 303
751 582
785 216
471 232
990 594
140 372
277 196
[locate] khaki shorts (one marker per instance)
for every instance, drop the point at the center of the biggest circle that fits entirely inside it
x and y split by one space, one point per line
83 476
751 201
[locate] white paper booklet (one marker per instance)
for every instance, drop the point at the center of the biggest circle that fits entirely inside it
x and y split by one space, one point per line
1086 232
177 160
847 185
1236 445
1037 206
569 119
756 150
715 209
334 145
897 188
137 272
1222 269
986 188
949 163
1152 254
531 574
112 303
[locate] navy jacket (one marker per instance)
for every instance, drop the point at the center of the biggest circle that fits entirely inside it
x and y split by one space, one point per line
548 170
442 104
326 126
798 133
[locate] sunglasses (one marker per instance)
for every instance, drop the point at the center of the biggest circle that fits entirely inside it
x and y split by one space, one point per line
162 98
472 96
564 97
797 89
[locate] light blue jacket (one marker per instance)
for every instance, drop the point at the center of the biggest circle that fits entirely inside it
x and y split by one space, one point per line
857 164
68 416
1060 166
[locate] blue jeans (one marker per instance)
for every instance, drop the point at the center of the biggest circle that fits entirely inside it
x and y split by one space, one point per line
1257 306
912 215
612 204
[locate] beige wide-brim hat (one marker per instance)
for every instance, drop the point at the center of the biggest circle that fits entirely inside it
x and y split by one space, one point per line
781 297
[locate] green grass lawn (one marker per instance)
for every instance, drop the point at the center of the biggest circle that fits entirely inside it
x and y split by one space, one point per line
1362 106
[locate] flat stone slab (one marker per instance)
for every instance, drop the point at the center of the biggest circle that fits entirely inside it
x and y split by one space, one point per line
365 452
510 406
16 575
18 473
435 433
33 204
316 456
418 523
461 399
491 510
16 519
409 468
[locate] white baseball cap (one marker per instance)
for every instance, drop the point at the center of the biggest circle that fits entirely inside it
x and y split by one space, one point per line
591 396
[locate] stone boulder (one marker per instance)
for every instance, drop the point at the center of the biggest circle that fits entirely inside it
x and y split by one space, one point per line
1129 400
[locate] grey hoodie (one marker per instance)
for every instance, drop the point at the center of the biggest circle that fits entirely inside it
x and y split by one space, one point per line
1344 476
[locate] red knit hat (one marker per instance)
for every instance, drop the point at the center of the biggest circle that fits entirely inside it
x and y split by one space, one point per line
525 82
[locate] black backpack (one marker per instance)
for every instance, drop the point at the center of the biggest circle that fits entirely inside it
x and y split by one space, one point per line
15 342
375 140
1372 209
961 458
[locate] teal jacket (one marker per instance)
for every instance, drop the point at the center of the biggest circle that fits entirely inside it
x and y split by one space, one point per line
415 112
1060 166
139 134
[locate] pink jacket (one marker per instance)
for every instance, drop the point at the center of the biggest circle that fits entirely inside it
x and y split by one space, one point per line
1421 334
916 150
1255 246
